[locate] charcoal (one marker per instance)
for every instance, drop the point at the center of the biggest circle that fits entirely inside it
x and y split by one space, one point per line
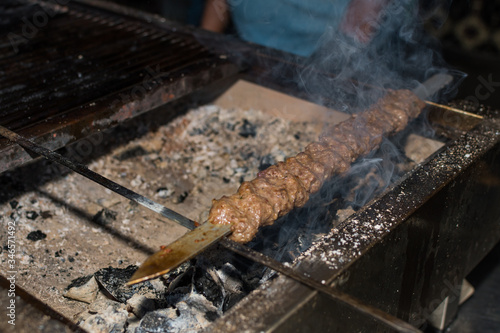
13 204
233 286
266 161
204 284
247 129
173 274
231 300
31 215
14 216
109 317
189 317
36 236
164 192
103 304
45 214
158 321
247 153
78 282
104 216
182 282
211 315
180 198
192 313
84 293
113 281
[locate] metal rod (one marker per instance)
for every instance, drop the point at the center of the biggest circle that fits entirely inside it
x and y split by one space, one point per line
32 147
469 114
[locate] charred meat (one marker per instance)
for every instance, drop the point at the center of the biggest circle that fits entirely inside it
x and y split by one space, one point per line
281 187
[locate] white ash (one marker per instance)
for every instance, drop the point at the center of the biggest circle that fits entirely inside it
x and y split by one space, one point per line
203 155
139 305
86 293
109 316
215 142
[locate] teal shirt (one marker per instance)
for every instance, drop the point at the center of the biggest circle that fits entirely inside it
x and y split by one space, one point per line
293 26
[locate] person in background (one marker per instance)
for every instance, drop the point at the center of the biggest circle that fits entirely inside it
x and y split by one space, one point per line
293 26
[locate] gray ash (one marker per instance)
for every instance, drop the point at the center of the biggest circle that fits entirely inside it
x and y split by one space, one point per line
157 321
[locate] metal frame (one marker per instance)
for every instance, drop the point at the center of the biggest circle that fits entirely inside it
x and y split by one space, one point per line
432 229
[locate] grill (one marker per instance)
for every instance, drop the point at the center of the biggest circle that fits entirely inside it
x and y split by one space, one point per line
406 252
57 83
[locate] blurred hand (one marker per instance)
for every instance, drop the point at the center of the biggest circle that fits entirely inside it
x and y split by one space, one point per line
361 20
215 16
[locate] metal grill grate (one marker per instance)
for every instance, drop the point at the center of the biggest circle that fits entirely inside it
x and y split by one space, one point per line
68 63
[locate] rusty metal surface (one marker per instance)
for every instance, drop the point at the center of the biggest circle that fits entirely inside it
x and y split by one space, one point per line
71 70
403 253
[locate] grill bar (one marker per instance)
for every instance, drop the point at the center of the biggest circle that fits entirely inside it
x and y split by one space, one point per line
105 69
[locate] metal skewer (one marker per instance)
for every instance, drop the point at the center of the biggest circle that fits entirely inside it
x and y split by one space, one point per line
36 149
181 250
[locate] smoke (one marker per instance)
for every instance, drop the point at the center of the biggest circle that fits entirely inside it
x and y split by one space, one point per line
400 55
348 75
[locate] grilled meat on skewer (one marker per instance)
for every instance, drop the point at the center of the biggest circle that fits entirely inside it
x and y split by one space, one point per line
280 188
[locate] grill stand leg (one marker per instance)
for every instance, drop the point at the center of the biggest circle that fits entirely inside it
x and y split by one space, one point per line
447 310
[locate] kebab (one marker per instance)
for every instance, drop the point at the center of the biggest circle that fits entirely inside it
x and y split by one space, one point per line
287 185
276 190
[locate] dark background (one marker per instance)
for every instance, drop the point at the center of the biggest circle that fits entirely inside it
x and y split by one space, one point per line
468 32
